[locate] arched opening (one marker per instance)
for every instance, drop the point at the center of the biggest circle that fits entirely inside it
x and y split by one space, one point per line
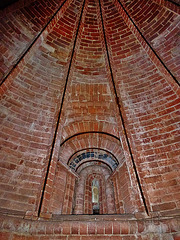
95 196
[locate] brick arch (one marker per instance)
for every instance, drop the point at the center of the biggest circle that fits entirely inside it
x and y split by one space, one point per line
89 126
90 132
93 163
90 141
83 196
88 206
88 149
92 155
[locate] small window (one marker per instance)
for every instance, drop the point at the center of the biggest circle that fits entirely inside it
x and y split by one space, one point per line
95 196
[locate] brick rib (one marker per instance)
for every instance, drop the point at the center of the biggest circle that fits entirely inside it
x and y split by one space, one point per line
60 111
86 133
120 113
148 48
88 149
32 43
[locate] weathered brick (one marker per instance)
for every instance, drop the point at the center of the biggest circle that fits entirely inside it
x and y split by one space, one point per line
32 97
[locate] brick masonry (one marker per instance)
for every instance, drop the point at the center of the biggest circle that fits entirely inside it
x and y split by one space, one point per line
128 228
58 102
20 24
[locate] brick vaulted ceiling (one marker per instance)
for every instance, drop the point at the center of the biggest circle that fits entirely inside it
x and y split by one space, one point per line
83 78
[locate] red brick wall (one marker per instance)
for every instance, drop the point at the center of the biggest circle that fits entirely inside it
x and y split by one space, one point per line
20 23
150 106
59 188
89 103
28 113
169 4
67 200
80 229
69 194
125 199
160 26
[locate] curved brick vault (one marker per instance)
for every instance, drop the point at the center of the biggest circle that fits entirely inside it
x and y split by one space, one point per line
90 90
